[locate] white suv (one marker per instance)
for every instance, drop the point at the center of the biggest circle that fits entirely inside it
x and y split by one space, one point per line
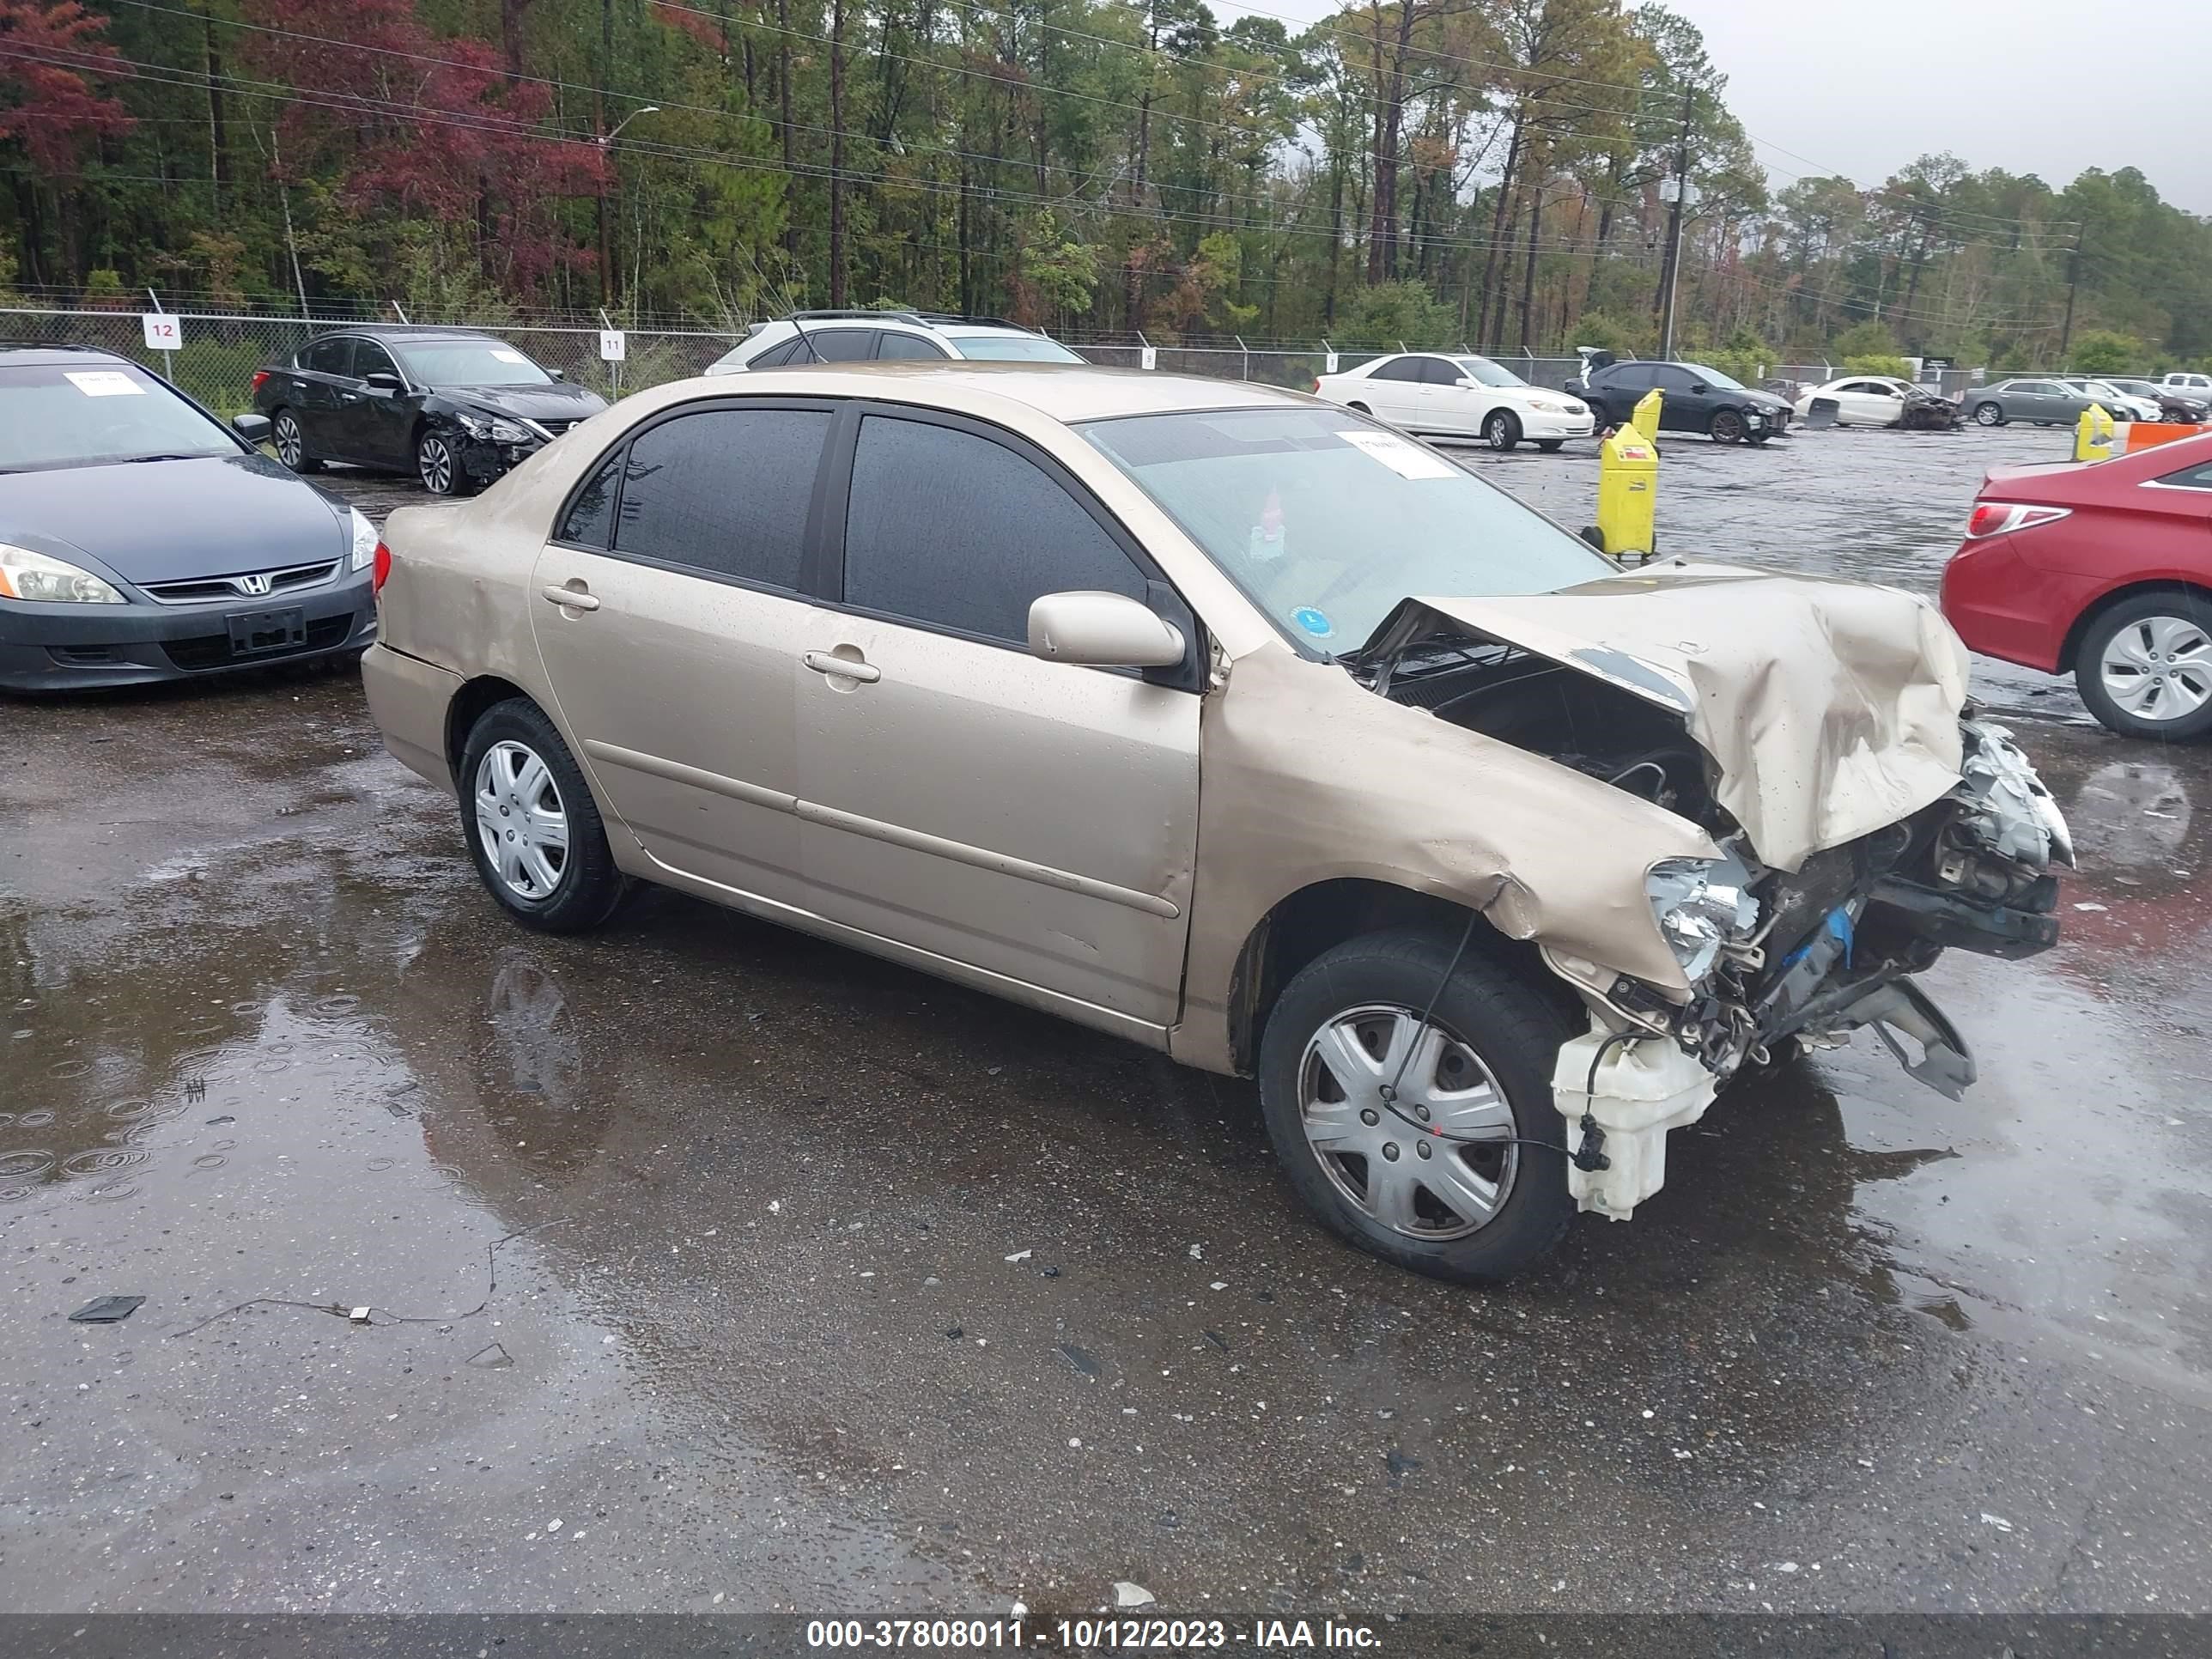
846 337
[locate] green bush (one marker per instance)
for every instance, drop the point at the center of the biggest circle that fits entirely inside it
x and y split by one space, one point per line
1875 362
1391 311
1871 338
2102 351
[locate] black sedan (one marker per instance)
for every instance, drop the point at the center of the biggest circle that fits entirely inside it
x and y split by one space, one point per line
1693 398
454 408
141 540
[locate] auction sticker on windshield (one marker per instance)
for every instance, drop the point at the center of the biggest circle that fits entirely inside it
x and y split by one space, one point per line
105 383
1402 455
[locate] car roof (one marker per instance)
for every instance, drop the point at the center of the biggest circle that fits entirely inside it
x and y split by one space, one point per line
26 354
396 332
1062 392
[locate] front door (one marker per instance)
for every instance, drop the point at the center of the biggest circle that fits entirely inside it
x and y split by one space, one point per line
379 420
1033 819
669 622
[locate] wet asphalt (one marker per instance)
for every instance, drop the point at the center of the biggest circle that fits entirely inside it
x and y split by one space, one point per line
706 1266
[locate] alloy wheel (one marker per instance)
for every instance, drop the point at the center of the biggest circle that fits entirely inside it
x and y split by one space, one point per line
1407 1122
290 449
434 460
520 821
2158 668
1987 415
1728 427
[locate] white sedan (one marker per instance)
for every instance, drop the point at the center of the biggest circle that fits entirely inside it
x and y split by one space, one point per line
1458 396
1861 400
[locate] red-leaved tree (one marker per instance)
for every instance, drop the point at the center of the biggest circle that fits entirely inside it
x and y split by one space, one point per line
431 126
50 58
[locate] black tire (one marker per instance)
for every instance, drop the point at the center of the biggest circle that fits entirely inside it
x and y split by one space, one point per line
588 887
1757 440
2103 630
1551 446
1727 426
1501 429
438 467
1511 1032
291 444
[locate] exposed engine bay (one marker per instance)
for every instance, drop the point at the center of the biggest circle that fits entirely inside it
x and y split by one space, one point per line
1776 960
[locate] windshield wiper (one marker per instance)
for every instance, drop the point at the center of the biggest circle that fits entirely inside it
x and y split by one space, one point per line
134 460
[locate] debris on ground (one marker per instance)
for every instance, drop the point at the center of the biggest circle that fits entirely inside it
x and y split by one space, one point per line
1084 1361
1127 1594
491 1358
1996 1521
106 1309
1020 1255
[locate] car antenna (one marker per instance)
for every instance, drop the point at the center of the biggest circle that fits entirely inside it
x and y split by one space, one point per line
813 356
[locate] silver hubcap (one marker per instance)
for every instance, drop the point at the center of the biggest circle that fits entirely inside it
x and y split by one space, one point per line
289 447
2158 668
1408 1122
520 821
1498 430
1988 414
437 466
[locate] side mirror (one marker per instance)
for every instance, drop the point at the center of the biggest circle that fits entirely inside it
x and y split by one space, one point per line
383 381
1101 630
254 429
558 373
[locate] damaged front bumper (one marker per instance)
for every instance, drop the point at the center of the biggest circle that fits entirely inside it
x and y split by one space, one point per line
1807 958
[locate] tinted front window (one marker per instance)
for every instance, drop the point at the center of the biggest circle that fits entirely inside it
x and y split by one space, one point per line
1436 371
470 362
591 520
724 490
1483 372
959 531
1012 348
370 358
1713 377
1328 521
97 410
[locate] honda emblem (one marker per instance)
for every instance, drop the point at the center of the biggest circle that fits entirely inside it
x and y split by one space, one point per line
253 587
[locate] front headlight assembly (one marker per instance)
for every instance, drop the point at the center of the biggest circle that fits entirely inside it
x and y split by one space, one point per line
1700 904
364 541
36 576
485 429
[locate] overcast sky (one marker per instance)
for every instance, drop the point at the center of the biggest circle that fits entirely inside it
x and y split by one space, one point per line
2047 87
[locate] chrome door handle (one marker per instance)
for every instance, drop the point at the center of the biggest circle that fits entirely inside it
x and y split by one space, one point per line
576 598
826 662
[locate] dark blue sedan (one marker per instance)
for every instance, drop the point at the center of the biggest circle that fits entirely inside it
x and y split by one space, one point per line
141 540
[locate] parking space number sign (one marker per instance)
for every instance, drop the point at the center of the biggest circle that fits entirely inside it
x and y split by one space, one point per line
614 345
160 330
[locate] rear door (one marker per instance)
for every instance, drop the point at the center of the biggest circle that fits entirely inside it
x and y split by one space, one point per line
1392 390
1034 820
324 371
670 620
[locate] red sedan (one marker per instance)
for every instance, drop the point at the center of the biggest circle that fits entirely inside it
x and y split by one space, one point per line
2103 570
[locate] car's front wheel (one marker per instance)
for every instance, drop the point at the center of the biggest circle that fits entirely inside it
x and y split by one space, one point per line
1501 429
438 465
291 443
1727 426
533 829
1430 1142
2145 666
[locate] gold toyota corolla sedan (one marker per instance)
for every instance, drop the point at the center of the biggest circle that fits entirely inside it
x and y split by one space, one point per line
1239 725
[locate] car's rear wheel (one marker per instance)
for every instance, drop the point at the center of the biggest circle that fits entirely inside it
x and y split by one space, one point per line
1360 409
1727 426
1501 429
1989 414
1432 1144
2145 666
291 443
438 465
539 843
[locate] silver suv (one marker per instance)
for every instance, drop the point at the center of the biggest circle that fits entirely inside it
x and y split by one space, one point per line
1239 725
858 337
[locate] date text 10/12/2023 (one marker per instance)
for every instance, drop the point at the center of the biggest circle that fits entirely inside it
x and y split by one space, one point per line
1092 1635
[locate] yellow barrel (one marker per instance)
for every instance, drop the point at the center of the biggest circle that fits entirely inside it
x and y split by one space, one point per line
1628 489
2092 435
1646 418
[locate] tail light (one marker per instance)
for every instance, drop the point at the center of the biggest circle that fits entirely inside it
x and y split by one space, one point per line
1995 517
259 376
380 572
1316 385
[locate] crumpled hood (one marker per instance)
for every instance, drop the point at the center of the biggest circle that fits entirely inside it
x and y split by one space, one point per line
1830 708
558 402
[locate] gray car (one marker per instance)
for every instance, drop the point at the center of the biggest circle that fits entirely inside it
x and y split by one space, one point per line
2047 401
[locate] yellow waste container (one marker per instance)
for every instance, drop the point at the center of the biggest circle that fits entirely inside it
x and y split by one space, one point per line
2092 435
1627 492
1645 416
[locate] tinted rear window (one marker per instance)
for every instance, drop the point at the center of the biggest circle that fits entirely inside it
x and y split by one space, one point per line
724 490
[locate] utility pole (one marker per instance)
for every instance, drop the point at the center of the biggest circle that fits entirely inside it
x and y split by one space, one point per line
1674 227
2073 287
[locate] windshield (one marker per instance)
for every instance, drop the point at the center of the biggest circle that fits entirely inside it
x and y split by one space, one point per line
1012 348
1327 520
1714 377
1483 372
98 413
469 362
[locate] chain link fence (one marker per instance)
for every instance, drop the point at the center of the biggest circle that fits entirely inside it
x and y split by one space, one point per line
219 351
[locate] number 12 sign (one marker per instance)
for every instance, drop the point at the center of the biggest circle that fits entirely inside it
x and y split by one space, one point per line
160 330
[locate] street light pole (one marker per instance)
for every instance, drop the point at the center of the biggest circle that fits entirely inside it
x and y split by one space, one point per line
1674 228
606 231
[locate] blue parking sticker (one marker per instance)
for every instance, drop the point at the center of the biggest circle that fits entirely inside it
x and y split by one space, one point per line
1314 622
